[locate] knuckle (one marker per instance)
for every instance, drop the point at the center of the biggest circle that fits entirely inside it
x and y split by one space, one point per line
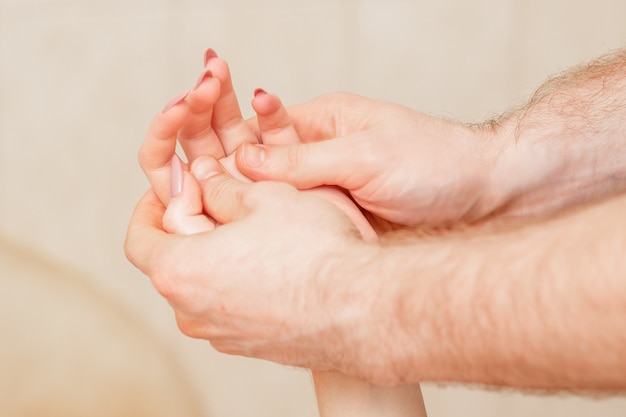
339 97
188 327
343 97
163 284
129 249
297 156
165 279
218 188
218 346
170 222
228 347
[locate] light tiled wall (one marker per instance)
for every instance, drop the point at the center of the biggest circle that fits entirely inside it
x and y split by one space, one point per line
80 79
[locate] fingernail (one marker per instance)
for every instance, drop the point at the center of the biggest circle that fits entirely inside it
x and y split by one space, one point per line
208 54
205 167
205 76
259 91
253 155
176 177
176 100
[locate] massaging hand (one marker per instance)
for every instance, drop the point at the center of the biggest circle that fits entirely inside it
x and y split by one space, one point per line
185 215
227 285
224 282
399 164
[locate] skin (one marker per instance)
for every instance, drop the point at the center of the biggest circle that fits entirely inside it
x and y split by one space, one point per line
430 182
538 305
444 173
205 114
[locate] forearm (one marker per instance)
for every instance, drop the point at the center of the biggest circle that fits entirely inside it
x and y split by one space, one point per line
567 145
539 307
339 395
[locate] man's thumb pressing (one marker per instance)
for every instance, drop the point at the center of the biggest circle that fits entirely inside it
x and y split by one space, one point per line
304 166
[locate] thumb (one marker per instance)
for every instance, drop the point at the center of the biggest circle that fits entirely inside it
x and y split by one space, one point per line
184 214
225 198
307 165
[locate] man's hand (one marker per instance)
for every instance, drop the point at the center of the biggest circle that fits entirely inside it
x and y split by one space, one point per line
564 148
252 285
400 165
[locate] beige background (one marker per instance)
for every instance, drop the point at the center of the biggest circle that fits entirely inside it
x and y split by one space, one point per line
83 333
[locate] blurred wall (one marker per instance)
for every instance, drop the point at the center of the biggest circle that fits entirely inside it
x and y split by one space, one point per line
80 80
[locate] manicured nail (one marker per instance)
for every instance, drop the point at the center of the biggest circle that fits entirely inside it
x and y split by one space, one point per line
176 177
205 167
259 91
173 102
208 54
253 155
205 76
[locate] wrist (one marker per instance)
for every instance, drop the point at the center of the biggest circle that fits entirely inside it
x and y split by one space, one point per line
386 335
512 172
516 168
488 143
566 146
546 167
356 294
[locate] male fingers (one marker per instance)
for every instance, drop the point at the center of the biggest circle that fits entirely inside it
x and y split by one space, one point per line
225 198
329 116
158 254
145 235
331 162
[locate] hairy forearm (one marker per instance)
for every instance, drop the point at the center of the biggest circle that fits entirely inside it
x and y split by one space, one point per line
539 307
567 145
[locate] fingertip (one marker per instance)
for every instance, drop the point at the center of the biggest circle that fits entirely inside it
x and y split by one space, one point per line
252 155
264 103
174 102
260 162
205 167
208 55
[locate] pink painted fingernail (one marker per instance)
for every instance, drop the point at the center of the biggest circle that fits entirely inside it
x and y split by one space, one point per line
208 54
176 177
173 102
205 76
259 91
